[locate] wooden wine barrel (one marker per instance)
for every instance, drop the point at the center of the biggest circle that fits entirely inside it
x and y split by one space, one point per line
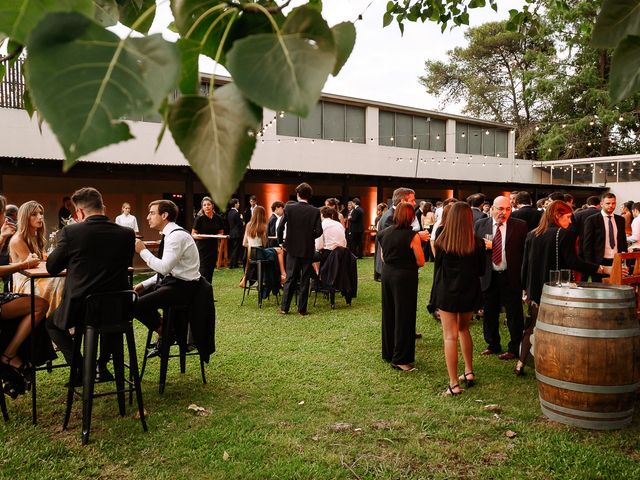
587 355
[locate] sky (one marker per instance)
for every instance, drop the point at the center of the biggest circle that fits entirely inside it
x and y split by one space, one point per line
384 65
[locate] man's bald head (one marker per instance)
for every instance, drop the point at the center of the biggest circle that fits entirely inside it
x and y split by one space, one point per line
501 209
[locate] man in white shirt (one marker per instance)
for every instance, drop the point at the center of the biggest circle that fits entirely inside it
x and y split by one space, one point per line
634 238
126 219
177 267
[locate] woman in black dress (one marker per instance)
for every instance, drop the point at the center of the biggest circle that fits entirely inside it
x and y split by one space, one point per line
460 257
401 256
551 246
208 222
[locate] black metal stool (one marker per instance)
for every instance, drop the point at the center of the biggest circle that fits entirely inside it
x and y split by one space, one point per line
173 318
109 314
257 261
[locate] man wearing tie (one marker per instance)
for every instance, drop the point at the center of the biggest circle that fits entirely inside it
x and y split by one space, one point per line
501 284
177 267
604 235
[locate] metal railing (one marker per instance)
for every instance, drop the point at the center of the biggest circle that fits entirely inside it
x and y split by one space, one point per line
12 86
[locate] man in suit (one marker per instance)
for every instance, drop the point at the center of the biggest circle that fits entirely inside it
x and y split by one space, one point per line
501 284
177 268
253 201
356 228
236 232
96 254
303 227
604 235
475 201
580 217
526 211
277 209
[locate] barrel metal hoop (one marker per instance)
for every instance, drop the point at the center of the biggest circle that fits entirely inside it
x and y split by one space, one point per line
620 304
591 291
588 332
583 413
584 388
594 425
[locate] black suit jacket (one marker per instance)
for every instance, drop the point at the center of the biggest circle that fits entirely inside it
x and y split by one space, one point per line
594 236
271 230
577 225
514 250
529 214
356 220
236 229
97 254
303 227
477 214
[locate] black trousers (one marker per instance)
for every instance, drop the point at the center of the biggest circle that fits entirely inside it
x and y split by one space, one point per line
399 305
501 294
235 252
64 341
170 291
297 269
596 277
355 243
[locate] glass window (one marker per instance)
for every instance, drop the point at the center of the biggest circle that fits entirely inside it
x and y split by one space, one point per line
489 142
475 140
288 125
420 133
583 174
462 137
355 124
404 130
386 128
311 127
502 143
438 137
606 172
629 171
561 175
333 121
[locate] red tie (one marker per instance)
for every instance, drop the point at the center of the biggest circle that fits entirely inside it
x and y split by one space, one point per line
496 253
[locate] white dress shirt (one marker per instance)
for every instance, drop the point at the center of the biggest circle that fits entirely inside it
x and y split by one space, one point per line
180 257
332 235
608 251
635 230
127 221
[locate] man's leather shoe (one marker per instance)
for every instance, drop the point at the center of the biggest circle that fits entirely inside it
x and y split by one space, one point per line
507 356
418 335
103 374
303 313
488 351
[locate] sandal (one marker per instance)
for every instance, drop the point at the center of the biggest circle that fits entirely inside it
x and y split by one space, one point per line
469 382
16 379
519 370
449 392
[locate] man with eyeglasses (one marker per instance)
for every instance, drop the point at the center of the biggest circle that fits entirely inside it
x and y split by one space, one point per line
501 285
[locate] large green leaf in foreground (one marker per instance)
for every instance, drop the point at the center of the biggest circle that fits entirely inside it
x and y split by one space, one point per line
217 135
625 69
291 67
617 19
83 79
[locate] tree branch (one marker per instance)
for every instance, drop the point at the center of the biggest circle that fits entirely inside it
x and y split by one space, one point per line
248 7
12 55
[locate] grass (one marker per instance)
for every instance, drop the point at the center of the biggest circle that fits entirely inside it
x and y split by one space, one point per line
291 397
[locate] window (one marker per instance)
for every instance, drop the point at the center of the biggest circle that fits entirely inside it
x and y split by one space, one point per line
386 128
583 174
478 140
438 137
411 131
629 171
328 120
462 138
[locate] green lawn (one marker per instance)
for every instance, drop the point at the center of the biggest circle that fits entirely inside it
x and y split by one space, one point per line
281 386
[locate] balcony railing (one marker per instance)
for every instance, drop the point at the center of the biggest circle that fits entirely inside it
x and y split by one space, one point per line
12 86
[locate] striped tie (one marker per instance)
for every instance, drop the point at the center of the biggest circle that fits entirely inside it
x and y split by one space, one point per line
496 253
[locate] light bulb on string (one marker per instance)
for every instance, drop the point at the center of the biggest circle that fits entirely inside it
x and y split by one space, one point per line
281 114
438 136
462 134
391 139
487 132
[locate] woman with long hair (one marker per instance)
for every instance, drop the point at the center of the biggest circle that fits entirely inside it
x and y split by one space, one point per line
402 256
551 246
208 222
255 236
15 320
456 292
31 238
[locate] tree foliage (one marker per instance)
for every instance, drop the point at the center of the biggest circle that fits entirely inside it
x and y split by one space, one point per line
84 80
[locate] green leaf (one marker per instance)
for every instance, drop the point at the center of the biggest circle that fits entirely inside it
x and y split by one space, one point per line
19 17
217 135
28 104
617 19
625 69
344 35
387 18
83 79
106 12
205 21
291 68
189 71
132 10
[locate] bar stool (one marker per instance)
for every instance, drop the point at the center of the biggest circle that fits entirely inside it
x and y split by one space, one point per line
109 314
255 261
174 328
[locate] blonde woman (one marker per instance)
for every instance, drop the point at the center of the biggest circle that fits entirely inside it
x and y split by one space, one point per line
30 238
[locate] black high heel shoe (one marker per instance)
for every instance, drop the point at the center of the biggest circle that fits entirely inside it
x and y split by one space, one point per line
469 382
18 377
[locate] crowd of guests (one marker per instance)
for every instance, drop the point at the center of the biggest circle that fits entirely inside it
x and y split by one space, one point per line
485 258
487 261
